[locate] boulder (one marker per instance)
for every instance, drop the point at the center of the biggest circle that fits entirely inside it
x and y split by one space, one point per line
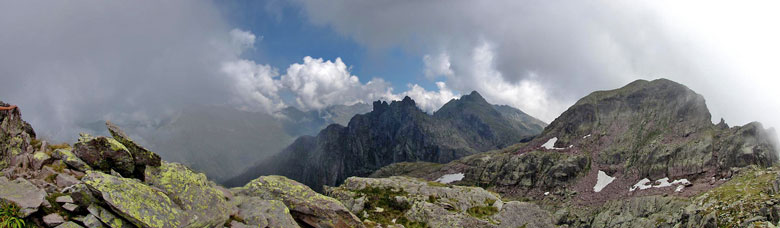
70 159
53 219
39 159
196 195
69 225
105 154
107 217
306 205
141 156
257 212
70 207
64 180
91 221
523 214
22 193
64 199
140 204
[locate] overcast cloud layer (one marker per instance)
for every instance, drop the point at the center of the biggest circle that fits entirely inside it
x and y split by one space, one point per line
71 63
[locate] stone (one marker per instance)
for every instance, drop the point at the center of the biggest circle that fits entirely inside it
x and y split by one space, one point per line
39 159
70 207
105 154
518 214
197 196
306 205
236 224
64 199
22 193
64 180
69 225
141 156
70 159
53 219
140 204
107 217
257 212
91 221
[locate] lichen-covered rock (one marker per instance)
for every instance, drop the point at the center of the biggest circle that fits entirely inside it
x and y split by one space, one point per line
196 195
107 217
22 193
15 135
523 214
69 225
306 205
91 221
257 212
39 159
140 204
105 154
71 159
53 219
142 156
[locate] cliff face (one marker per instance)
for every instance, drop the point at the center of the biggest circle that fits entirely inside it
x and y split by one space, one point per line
391 133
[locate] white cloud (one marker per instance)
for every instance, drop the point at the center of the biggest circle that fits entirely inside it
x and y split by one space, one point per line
242 39
430 101
560 51
254 85
317 84
437 65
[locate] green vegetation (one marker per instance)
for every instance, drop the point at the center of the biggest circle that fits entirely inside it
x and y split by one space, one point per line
59 146
482 212
741 198
11 217
382 207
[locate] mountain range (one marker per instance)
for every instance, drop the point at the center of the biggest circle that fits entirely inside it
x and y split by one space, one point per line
397 132
644 155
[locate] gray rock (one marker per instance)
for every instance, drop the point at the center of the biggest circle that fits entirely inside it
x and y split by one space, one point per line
236 224
91 221
69 225
258 212
142 156
53 219
71 159
307 206
70 207
64 180
518 214
64 199
39 159
197 196
104 154
23 193
140 204
107 217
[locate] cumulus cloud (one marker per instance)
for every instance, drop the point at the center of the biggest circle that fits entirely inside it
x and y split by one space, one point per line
254 87
544 55
318 83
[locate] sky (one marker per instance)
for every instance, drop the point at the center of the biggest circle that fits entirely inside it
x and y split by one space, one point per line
76 62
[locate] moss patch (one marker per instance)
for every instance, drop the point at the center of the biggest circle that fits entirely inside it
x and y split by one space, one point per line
384 198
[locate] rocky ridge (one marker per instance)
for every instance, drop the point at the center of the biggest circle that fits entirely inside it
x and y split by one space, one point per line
397 132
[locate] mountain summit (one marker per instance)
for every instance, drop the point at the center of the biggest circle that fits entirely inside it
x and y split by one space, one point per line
395 132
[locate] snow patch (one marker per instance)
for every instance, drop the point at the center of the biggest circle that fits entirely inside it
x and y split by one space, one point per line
586 136
660 183
550 144
641 185
602 181
449 178
546 193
